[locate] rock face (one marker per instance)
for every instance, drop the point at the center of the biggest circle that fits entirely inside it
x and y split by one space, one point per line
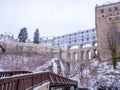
24 62
23 56
18 48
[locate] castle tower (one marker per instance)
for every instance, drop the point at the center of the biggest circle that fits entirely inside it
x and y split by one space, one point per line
107 24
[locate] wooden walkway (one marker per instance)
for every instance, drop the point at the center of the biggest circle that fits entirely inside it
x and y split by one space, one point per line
22 80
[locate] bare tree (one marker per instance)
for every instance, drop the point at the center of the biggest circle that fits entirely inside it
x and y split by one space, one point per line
83 66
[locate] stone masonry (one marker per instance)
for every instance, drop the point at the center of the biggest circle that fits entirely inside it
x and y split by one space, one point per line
107 22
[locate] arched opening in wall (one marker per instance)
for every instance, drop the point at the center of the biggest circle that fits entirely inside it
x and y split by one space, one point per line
69 55
95 44
67 68
82 55
73 56
95 52
76 56
89 54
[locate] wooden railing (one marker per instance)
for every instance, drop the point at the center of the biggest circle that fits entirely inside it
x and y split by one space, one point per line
11 73
57 80
31 80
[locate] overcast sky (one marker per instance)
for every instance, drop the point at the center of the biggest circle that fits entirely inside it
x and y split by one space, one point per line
51 17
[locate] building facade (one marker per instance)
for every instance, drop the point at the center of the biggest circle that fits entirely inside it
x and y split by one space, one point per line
7 37
80 39
46 40
107 26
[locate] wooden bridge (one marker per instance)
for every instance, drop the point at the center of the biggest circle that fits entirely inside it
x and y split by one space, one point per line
24 80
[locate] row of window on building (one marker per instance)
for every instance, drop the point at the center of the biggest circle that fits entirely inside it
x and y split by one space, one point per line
75 34
79 41
110 10
113 19
77 38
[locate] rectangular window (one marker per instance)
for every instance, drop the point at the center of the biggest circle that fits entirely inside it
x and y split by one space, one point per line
102 11
109 9
116 9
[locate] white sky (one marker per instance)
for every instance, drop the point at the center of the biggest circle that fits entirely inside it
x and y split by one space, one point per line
51 17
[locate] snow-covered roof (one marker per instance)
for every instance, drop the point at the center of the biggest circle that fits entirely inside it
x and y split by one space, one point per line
110 2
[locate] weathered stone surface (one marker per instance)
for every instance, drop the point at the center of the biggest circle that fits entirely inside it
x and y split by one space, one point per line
105 29
18 48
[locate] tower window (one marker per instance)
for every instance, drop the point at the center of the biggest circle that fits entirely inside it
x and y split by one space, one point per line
110 10
116 9
102 11
102 15
109 20
117 13
110 14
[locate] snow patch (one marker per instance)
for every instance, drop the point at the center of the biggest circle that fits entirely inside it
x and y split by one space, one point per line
110 2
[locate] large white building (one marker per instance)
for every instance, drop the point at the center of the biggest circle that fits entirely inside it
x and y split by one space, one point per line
80 39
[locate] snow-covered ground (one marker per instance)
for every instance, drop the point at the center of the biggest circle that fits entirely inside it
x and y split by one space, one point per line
108 76
95 74
99 75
